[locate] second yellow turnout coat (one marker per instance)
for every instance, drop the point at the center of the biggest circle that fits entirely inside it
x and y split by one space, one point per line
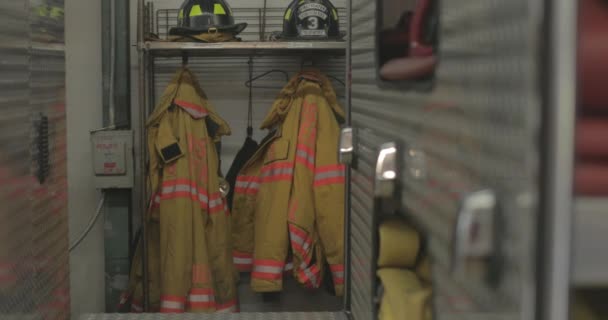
288 209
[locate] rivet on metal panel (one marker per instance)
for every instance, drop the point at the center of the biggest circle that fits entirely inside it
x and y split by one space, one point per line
415 162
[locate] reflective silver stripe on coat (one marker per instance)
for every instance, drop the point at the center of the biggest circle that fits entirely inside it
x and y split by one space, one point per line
304 154
299 240
242 260
215 203
288 267
309 274
267 269
277 172
171 304
338 274
179 188
329 174
201 298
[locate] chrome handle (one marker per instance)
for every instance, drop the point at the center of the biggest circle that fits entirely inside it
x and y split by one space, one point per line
346 146
475 229
386 171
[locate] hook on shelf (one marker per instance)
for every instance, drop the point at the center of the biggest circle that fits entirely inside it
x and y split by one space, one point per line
184 59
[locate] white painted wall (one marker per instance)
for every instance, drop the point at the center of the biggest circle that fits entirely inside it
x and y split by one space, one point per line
84 113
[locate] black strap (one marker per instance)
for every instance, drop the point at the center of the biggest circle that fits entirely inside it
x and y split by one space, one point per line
250 105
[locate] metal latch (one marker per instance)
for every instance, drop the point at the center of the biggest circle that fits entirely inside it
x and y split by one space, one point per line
346 146
475 230
387 171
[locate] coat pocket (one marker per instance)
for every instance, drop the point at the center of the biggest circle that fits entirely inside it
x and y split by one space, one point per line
279 150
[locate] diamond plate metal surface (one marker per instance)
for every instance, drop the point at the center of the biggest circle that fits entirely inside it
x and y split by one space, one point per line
225 316
478 128
33 237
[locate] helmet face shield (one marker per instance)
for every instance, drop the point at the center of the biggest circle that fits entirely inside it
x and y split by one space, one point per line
208 20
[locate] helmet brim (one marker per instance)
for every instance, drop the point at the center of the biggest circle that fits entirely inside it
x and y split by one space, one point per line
186 31
282 36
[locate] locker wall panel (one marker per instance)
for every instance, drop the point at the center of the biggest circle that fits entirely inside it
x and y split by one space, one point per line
16 251
49 199
477 129
33 237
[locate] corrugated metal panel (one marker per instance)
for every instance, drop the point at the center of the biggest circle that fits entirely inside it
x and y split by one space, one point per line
47 98
478 129
33 259
15 232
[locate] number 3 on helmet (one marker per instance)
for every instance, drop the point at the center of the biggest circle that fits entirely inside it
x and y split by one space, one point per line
311 20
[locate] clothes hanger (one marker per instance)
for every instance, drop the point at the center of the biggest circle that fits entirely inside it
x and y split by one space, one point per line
336 79
253 79
250 105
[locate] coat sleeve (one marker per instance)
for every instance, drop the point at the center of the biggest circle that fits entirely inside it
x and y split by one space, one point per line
307 254
328 189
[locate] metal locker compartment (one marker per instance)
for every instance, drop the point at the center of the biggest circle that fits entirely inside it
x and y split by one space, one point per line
34 233
466 139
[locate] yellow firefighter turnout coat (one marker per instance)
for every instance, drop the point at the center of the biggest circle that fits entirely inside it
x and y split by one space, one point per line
189 251
288 210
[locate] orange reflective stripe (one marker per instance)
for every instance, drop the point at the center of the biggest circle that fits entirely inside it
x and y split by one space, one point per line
242 261
185 188
278 171
172 304
247 184
267 269
305 156
201 298
230 306
337 271
333 174
310 276
300 242
193 109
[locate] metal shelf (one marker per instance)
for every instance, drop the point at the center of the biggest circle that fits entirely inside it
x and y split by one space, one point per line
590 266
48 47
245 48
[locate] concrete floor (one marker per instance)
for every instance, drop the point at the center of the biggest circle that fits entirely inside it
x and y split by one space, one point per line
294 298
